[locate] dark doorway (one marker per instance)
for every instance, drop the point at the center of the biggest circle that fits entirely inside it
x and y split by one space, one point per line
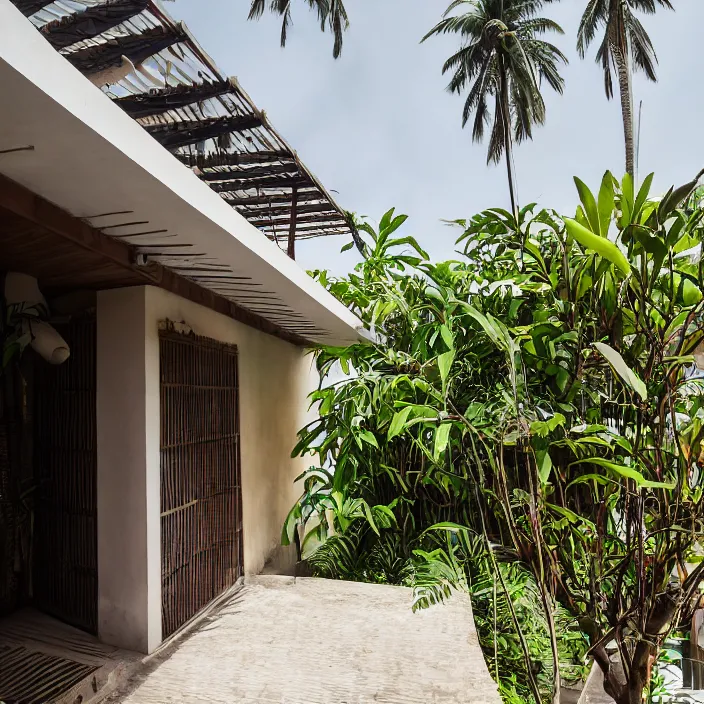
201 519
65 558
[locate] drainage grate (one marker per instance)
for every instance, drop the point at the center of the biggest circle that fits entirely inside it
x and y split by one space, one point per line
28 677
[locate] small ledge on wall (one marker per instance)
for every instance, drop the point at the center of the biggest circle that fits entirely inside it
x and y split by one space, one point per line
182 327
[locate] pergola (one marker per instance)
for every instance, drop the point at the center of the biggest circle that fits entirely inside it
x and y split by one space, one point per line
153 68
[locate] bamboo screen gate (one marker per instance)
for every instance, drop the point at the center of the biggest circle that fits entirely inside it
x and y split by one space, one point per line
65 574
201 504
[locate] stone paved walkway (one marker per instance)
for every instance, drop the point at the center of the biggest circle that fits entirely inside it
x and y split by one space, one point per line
312 641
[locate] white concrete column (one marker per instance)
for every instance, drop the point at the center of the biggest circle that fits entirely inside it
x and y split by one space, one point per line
129 559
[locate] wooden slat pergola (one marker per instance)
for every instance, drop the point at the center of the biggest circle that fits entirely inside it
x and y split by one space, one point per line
153 68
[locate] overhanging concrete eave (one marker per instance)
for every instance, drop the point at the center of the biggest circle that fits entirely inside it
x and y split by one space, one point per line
91 159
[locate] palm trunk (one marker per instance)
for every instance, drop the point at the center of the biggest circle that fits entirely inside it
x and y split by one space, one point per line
506 124
624 82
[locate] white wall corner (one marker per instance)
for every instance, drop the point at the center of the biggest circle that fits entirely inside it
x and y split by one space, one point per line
129 559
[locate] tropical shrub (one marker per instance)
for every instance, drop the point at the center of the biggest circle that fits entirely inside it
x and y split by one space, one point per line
539 393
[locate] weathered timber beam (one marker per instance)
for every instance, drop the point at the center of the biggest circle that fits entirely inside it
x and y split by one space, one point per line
253 172
136 47
91 22
19 200
291 246
157 102
209 161
30 7
317 227
277 198
261 183
332 218
312 236
285 211
181 134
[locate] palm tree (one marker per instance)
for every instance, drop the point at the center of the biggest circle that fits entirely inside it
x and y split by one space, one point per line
331 13
502 60
625 44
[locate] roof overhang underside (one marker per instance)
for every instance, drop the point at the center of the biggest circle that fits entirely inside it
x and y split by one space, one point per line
155 70
69 143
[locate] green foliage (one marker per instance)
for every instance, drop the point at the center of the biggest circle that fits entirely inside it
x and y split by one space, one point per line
625 45
538 392
507 610
332 15
501 63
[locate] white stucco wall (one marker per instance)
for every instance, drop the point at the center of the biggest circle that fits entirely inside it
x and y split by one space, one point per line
275 379
129 569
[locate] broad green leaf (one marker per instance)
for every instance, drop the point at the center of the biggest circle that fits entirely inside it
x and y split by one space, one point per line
313 539
674 198
386 219
339 501
587 478
622 369
544 465
395 224
589 204
369 438
347 247
408 240
532 247
606 203
488 328
571 516
627 473
585 284
449 526
442 437
691 294
642 195
292 520
444 364
384 515
398 422
600 245
562 378
581 218
370 517
628 191
447 337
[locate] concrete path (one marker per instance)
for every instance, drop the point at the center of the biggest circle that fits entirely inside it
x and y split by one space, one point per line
313 641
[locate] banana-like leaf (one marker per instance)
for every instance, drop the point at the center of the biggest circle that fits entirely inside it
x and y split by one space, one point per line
292 520
370 517
442 437
642 196
448 526
627 473
675 196
398 422
368 437
444 365
590 207
622 369
544 465
606 203
571 516
600 245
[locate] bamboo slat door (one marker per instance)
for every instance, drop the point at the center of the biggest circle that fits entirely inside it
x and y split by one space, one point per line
65 574
201 519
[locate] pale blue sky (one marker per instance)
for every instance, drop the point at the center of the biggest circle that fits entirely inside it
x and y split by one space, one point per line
378 128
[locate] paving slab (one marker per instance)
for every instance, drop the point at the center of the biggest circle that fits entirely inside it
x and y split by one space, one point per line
281 640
